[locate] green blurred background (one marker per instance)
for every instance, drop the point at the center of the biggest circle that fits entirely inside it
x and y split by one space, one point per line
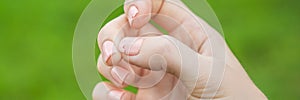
36 46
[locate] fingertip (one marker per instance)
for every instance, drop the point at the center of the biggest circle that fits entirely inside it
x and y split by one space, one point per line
100 90
107 91
119 75
120 95
130 45
138 12
140 21
115 94
132 12
128 96
106 71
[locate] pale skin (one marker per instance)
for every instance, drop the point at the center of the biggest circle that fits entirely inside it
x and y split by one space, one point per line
129 41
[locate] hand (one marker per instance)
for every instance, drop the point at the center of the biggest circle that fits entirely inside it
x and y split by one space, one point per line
187 50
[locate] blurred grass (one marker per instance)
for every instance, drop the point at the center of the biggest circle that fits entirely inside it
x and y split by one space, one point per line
36 49
36 46
265 36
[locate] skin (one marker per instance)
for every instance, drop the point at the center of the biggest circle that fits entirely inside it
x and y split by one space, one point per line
128 49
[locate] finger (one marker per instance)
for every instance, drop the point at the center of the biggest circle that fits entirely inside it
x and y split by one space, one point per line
169 88
109 37
111 34
139 11
153 52
106 72
171 15
110 55
145 47
107 91
125 74
149 30
183 24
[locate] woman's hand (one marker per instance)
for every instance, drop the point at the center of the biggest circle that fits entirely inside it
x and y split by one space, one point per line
135 53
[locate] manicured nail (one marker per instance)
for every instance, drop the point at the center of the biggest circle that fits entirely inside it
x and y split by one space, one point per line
131 46
132 13
119 74
108 50
115 95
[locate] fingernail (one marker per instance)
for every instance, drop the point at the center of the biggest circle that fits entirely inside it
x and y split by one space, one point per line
119 74
132 13
108 50
135 48
115 95
131 46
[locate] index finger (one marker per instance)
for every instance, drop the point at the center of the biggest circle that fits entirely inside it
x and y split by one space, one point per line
171 15
111 34
109 38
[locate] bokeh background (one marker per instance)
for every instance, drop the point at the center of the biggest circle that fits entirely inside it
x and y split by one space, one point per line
36 46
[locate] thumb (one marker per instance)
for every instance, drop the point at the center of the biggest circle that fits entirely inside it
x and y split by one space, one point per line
163 53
